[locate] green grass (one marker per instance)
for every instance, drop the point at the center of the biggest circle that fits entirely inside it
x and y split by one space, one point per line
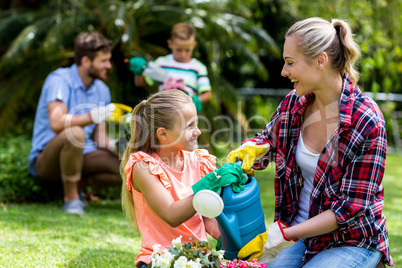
41 235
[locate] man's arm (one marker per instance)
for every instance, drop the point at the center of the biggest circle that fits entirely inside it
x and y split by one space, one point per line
60 119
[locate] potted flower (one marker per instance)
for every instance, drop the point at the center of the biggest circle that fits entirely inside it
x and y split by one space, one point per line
195 254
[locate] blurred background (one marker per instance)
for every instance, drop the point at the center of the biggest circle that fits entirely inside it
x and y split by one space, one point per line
240 41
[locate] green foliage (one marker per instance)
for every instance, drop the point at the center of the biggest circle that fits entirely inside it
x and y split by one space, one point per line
261 110
378 30
225 33
16 185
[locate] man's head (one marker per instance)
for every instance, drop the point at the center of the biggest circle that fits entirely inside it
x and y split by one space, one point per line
93 51
182 42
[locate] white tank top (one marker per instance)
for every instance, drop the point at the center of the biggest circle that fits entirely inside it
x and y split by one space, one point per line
307 161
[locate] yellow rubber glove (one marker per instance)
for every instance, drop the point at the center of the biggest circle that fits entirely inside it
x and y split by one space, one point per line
254 248
248 154
119 111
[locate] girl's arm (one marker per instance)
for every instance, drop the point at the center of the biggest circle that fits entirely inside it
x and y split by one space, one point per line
212 227
159 199
321 224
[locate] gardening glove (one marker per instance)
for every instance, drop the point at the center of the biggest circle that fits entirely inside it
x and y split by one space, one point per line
227 174
276 242
248 154
137 65
119 111
197 103
253 249
155 72
102 113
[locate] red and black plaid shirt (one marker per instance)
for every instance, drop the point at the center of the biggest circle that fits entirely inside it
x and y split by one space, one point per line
348 174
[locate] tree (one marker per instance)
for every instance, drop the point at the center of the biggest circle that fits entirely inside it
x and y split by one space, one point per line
35 42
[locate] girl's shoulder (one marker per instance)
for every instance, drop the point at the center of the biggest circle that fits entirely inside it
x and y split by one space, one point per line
200 155
144 161
203 159
140 155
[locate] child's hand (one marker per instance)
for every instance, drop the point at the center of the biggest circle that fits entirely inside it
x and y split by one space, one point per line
228 174
137 65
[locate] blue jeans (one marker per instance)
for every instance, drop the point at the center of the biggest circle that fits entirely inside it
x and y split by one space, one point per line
352 257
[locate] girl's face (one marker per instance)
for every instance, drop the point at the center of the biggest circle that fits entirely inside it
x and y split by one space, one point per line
182 50
183 135
302 72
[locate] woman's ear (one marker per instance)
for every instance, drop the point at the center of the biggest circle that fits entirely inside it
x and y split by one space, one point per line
322 60
161 134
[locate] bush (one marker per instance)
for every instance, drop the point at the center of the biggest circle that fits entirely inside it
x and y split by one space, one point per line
17 185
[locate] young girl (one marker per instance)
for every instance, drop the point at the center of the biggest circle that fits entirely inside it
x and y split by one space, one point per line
162 171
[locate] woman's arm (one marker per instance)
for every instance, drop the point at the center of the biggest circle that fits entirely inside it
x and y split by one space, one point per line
321 224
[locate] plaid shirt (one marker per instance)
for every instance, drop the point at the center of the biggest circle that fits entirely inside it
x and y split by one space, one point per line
348 174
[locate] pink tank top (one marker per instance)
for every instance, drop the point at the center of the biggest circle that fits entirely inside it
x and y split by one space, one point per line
153 229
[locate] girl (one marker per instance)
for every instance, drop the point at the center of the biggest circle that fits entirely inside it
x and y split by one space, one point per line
329 143
162 171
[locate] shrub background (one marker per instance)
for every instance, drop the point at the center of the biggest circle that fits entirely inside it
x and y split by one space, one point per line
17 185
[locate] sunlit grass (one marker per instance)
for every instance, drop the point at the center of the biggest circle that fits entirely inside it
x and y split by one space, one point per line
42 235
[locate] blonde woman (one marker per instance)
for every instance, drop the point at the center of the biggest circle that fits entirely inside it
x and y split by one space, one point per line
329 144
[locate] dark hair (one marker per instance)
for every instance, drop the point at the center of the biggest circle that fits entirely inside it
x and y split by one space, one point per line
89 44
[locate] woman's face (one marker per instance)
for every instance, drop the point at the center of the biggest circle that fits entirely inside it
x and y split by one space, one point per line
303 73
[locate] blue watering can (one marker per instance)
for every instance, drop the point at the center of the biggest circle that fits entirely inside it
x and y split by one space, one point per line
242 218
239 215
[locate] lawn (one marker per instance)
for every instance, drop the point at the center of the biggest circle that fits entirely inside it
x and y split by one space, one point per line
41 235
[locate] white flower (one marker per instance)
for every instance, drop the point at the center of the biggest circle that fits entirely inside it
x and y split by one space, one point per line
194 264
177 242
164 261
220 254
181 262
156 248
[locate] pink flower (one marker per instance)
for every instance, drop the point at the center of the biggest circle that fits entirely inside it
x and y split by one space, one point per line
243 264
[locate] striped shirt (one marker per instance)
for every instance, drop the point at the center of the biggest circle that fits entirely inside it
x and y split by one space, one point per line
349 171
193 73
65 84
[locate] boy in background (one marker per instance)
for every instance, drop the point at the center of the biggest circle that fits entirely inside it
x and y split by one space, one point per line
180 65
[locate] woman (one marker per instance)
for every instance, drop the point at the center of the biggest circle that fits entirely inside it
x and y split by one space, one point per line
329 144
